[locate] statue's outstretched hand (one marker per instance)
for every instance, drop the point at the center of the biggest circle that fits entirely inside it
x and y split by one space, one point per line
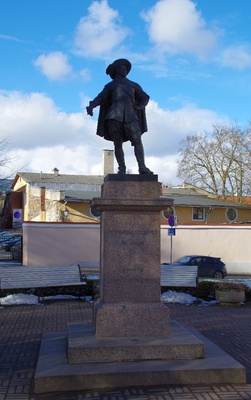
89 110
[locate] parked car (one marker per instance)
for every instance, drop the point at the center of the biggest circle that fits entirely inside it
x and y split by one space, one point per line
208 267
16 251
9 242
4 236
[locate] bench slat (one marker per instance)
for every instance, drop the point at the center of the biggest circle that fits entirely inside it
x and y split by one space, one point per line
183 276
39 277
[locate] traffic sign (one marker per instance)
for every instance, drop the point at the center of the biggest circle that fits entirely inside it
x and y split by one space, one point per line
171 220
171 231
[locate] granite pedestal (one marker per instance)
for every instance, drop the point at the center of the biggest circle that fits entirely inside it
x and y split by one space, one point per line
132 337
129 315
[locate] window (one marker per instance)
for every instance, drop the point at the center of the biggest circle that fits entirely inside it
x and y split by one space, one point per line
198 214
195 261
167 212
94 213
231 214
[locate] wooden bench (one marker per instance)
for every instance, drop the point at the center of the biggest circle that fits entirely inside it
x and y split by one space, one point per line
40 277
170 275
89 268
178 276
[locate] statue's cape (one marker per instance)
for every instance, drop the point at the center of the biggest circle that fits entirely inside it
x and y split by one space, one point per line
102 128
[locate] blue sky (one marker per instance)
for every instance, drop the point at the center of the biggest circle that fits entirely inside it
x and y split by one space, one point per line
192 57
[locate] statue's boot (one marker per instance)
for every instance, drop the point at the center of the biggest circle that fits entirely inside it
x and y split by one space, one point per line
139 154
120 157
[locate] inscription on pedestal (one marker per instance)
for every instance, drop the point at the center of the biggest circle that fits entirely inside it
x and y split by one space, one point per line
130 260
132 237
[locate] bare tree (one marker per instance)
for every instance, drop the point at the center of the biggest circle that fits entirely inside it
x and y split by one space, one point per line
218 161
6 161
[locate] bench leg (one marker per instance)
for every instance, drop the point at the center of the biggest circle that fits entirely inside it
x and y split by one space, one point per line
40 296
83 288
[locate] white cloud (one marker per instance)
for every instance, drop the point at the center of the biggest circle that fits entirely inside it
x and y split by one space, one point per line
100 32
11 38
237 57
167 128
34 120
81 159
176 26
44 137
54 65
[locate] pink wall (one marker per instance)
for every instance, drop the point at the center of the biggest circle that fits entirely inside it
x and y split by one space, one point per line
59 243
229 242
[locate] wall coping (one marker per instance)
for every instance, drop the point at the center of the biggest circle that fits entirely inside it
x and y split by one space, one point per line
61 224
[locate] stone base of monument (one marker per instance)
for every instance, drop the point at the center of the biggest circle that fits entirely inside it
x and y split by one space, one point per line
58 373
84 346
132 341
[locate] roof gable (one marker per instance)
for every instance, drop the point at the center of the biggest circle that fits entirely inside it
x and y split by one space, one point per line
60 181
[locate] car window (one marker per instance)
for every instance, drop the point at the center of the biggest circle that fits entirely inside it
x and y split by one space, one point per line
207 261
182 260
195 261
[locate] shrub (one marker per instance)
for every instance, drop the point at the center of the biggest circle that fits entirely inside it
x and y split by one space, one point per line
248 294
205 290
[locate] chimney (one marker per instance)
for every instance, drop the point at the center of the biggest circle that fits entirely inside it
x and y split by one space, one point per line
55 171
108 162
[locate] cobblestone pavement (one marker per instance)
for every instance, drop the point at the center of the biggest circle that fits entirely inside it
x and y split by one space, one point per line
22 327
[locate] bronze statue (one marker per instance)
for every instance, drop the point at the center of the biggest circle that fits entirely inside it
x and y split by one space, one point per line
122 114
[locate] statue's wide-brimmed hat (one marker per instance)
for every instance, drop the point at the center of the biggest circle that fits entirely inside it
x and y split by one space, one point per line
111 69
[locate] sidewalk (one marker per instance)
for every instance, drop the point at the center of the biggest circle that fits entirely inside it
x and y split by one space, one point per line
22 326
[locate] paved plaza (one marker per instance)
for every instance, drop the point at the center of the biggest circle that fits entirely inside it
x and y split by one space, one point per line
22 327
